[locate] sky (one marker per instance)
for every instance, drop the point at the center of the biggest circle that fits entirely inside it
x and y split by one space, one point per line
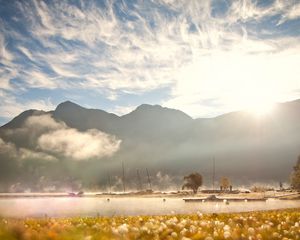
204 57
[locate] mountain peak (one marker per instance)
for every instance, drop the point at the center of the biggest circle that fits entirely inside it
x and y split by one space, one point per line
67 104
148 107
149 111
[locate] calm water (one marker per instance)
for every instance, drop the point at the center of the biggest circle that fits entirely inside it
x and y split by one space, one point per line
66 206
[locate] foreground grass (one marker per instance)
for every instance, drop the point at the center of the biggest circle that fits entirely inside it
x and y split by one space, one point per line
281 224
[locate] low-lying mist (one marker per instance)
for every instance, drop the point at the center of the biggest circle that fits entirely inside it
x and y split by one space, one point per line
78 148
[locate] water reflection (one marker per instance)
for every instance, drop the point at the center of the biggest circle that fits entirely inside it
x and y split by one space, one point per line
67 207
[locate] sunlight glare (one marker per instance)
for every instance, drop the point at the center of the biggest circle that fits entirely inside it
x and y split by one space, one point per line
261 109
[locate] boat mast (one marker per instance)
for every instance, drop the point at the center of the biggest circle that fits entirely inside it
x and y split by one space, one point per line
149 180
139 180
123 176
213 174
109 181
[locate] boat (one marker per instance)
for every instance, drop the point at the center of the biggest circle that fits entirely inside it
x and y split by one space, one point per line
73 194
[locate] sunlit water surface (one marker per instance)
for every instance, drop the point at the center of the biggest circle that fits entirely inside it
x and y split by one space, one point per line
67 207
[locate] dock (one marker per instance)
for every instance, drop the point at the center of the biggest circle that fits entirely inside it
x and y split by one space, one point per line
213 198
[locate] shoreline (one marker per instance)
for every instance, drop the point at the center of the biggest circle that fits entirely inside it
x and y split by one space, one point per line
257 195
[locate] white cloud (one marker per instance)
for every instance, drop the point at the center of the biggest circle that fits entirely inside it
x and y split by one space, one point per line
38 79
44 122
26 52
11 107
56 138
236 81
178 44
291 11
79 145
6 74
294 11
53 138
5 55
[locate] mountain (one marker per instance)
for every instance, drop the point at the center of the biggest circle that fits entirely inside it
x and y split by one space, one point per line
246 148
83 119
19 120
136 123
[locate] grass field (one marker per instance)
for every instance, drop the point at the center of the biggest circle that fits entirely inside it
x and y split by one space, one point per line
281 224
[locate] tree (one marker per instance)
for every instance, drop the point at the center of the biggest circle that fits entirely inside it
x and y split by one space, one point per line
280 185
192 181
224 183
295 179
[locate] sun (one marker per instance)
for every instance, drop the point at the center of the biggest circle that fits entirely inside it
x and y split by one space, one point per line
258 102
261 109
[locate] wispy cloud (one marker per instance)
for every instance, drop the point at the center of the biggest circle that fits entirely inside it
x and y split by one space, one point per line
10 106
200 50
291 11
6 56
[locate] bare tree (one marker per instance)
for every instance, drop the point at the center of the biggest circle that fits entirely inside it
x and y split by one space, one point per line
192 181
224 183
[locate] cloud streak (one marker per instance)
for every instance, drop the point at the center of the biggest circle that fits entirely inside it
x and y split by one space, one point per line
10 106
197 49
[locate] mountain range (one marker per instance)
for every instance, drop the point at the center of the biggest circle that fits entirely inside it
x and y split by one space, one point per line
73 144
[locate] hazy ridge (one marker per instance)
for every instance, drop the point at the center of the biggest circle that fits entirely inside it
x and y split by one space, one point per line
76 144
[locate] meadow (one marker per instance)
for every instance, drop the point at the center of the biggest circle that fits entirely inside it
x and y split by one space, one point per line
278 224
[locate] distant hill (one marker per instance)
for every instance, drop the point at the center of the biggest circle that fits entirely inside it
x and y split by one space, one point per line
19 120
81 118
246 149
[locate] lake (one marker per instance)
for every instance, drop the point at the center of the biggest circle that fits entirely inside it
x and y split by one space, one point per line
100 206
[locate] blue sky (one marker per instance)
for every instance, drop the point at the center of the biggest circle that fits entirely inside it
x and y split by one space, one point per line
203 57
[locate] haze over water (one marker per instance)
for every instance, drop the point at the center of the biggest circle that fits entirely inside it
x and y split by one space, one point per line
69 207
